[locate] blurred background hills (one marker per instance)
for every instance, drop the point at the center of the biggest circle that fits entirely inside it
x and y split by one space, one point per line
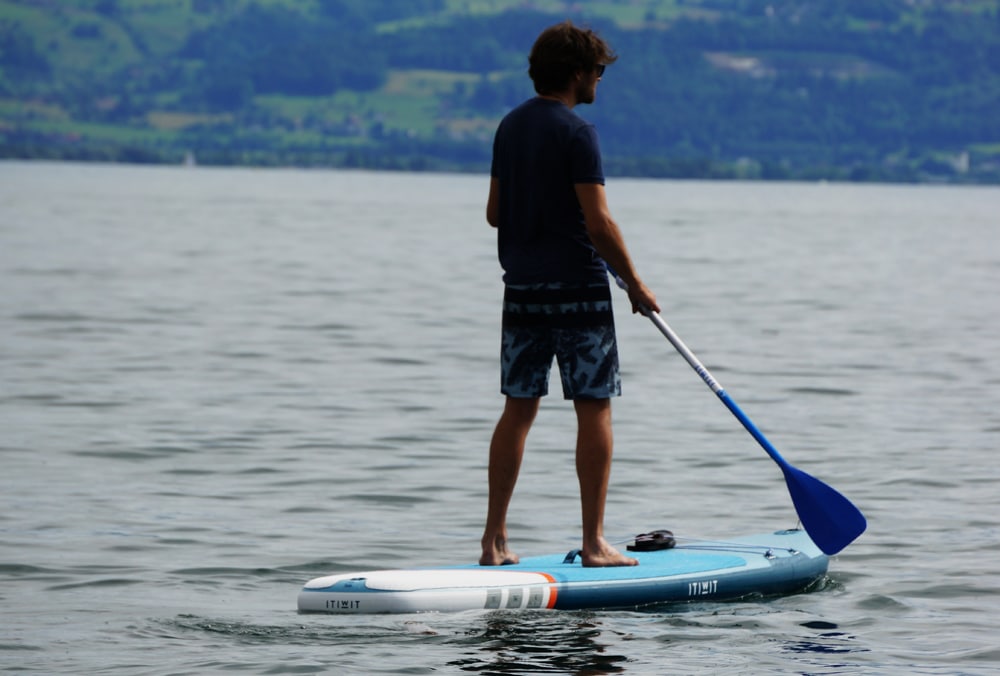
865 90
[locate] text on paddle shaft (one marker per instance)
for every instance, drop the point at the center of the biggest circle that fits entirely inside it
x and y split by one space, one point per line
703 588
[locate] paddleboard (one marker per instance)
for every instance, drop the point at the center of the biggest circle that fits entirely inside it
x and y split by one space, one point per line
770 564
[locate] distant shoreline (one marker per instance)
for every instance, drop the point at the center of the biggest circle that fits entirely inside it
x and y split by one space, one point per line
640 168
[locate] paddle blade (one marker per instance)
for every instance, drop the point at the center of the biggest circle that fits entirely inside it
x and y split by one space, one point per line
831 520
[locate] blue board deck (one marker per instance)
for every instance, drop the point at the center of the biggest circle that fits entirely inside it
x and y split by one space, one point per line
783 562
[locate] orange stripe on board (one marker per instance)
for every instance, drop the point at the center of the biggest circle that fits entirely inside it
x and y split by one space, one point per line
553 590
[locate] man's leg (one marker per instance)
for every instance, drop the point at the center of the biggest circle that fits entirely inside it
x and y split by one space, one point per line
593 468
506 451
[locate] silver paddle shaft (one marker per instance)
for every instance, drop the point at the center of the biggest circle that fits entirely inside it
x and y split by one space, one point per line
675 340
688 355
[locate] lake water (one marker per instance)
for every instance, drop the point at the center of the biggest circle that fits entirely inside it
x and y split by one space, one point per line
220 383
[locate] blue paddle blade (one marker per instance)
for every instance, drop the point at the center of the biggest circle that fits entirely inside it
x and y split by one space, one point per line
831 520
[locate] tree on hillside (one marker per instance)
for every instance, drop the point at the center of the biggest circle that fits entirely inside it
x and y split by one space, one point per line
20 60
276 50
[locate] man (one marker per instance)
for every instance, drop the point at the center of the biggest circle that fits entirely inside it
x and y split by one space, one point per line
554 234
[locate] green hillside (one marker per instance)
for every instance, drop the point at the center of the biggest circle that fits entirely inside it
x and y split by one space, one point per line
900 90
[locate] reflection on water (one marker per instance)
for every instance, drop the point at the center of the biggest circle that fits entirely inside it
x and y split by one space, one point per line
563 643
828 640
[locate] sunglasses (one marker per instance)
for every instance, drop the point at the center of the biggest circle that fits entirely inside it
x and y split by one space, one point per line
600 69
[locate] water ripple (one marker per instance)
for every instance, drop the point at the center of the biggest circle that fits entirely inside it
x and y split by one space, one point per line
220 383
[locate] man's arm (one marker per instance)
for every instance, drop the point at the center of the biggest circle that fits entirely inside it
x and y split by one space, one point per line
493 203
607 238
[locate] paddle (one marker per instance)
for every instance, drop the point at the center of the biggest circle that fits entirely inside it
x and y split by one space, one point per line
830 519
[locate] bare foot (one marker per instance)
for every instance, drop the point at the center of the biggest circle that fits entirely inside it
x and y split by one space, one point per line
604 556
495 553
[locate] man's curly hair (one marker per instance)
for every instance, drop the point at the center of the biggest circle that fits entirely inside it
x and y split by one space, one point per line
563 50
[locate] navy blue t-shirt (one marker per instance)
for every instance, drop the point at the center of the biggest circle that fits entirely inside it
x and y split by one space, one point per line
540 151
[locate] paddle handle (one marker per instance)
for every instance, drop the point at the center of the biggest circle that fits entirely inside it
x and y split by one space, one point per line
706 376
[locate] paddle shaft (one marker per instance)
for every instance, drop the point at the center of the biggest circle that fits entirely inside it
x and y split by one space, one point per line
830 519
710 380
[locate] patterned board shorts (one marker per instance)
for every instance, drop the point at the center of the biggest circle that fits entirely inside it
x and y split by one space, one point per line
571 322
